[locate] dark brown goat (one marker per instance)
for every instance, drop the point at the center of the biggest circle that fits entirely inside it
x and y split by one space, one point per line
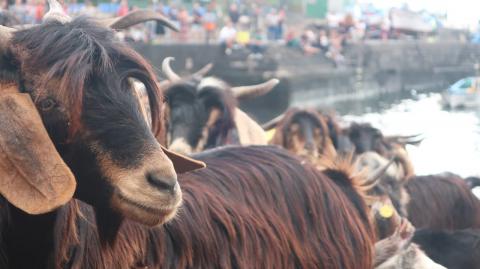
442 202
202 113
68 82
253 207
453 249
71 125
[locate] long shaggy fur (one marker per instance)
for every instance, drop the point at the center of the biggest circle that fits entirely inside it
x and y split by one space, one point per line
442 202
253 207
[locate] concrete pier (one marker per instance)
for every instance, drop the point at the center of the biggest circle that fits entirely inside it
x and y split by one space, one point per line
370 69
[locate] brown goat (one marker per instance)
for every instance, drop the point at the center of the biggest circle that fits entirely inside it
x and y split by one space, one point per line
301 131
253 207
442 202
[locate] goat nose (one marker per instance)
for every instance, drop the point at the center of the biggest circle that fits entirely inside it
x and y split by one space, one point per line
309 146
162 183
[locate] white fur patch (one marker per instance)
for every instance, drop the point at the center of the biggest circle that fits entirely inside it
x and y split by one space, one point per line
181 146
213 82
410 258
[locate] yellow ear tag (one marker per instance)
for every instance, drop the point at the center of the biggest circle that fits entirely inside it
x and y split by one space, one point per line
270 134
386 211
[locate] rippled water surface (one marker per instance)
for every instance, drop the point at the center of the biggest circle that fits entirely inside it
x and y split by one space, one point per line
451 138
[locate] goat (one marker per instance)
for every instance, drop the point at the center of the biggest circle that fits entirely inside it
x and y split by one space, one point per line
252 207
71 124
453 249
301 131
442 202
202 113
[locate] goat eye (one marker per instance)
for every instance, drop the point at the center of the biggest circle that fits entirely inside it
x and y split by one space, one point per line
47 104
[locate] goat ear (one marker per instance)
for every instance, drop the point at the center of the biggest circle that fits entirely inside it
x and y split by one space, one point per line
182 163
33 176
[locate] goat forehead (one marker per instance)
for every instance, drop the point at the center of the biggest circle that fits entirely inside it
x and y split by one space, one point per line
307 122
187 112
182 90
212 82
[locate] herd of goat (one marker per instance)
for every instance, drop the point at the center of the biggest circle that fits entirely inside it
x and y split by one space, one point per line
104 166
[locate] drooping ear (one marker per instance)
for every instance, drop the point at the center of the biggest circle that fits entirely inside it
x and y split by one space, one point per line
182 163
33 176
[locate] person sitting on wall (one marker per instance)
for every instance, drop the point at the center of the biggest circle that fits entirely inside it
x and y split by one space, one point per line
227 36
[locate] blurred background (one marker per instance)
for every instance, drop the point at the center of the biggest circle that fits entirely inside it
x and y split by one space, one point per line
403 66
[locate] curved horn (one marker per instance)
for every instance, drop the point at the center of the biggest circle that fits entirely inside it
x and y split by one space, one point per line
402 136
168 71
202 72
136 17
255 90
407 139
473 182
273 122
56 12
380 172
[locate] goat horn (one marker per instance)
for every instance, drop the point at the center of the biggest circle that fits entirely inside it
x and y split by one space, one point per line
273 122
380 172
202 72
168 71
255 90
56 12
402 137
136 17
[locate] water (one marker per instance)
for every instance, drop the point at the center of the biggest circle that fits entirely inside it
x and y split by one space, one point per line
451 138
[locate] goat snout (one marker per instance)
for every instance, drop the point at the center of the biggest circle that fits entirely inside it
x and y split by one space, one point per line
311 149
310 146
165 184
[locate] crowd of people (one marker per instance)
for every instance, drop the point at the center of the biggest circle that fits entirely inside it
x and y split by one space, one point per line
246 25
241 24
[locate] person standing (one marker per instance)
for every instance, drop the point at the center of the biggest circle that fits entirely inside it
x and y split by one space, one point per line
234 13
123 9
281 21
227 36
184 21
18 10
272 24
39 10
210 22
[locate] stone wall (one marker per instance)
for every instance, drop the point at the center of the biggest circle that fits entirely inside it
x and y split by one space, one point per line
370 69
